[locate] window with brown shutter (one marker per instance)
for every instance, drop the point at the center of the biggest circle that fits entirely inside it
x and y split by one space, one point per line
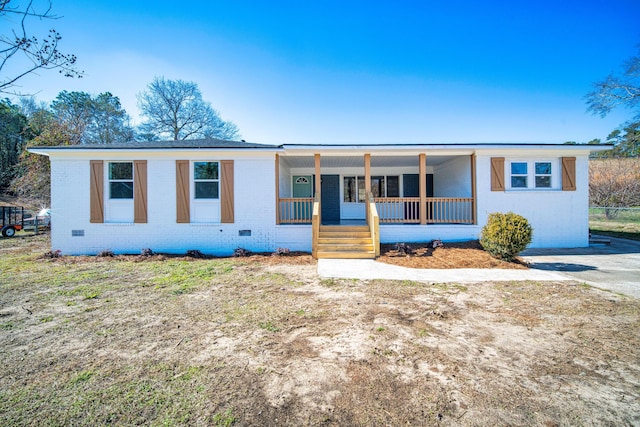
96 193
497 174
568 174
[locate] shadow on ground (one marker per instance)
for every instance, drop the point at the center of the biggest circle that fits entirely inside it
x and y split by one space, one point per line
561 266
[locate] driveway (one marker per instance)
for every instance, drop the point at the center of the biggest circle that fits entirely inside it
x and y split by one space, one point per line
615 267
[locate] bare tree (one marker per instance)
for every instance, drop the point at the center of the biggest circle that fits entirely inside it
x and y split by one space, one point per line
614 183
617 90
175 109
39 53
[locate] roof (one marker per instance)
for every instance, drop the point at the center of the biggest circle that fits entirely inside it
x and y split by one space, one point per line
327 149
210 143
448 145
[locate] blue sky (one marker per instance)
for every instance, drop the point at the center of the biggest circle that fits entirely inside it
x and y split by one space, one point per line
360 71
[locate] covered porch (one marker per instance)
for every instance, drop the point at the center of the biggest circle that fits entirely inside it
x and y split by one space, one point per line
347 197
406 189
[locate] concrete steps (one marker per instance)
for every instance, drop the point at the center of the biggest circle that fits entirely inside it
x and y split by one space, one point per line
345 242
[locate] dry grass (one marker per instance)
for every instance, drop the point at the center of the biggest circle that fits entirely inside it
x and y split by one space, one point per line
263 341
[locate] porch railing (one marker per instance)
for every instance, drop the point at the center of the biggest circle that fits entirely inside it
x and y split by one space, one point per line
295 210
398 210
440 210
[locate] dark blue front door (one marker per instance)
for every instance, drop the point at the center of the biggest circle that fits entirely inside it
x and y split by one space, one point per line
330 193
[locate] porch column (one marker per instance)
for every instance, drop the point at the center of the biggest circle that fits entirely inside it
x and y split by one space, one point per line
367 173
422 185
474 202
367 184
318 176
277 189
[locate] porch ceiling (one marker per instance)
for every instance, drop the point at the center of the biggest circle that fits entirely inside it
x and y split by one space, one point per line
358 161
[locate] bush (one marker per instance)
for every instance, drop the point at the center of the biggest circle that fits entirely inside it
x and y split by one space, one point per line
107 253
281 251
146 252
194 253
241 252
53 254
505 235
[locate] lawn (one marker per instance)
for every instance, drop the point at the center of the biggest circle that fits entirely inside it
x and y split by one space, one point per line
171 341
625 223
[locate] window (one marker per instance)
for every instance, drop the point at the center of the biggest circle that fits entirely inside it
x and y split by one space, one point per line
206 180
354 189
518 175
378 186
543 174
533 175
121 180
381 186
349 183
205 192
393 186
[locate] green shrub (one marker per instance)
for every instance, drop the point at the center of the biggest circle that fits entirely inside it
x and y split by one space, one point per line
505 235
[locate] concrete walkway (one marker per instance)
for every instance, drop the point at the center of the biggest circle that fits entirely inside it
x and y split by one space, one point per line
615 267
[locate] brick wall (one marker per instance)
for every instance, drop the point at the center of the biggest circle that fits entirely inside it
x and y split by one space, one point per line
253 227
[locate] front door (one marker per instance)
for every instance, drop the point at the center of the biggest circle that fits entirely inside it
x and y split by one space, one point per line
302 186
330 193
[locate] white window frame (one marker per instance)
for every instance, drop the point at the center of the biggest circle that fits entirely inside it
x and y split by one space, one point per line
118 210
536 175
554 181
204 211
386 184
359 178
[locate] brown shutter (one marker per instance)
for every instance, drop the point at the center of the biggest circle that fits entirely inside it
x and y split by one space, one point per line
497 174
140 191
96 194
182 191
226 195
568 174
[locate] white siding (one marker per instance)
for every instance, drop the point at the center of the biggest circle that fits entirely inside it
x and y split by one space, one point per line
453 178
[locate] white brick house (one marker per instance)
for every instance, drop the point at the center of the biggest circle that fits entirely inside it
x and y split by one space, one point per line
216 196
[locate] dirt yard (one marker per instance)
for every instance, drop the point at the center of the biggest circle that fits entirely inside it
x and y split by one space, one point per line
450 255
263 341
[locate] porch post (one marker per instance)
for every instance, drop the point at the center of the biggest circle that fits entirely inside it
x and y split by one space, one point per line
367 183
277 189
422 185
474 203
318 176
367 173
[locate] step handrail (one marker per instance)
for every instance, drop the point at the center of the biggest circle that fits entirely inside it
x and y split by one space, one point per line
315 225
373 221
